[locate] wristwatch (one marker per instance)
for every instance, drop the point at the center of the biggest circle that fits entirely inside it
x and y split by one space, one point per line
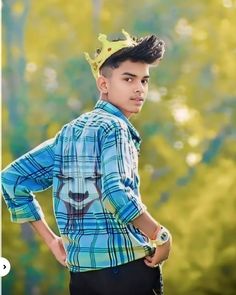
162 237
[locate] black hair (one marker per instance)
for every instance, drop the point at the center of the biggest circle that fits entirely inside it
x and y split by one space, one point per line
149 49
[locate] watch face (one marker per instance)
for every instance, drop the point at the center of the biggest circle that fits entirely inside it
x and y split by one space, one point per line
164 236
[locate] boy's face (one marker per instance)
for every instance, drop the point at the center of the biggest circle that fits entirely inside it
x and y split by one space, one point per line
127 87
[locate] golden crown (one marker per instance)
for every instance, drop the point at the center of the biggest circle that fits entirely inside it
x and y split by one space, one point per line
107 49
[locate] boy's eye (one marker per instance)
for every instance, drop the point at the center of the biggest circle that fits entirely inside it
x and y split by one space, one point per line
145 81
128 79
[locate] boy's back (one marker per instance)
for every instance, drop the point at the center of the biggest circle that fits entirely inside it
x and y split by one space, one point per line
89 201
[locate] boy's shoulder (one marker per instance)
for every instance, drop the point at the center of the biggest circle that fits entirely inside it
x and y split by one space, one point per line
98 118
109 120
95 121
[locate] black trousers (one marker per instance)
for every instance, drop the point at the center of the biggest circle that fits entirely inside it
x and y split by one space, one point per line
133 278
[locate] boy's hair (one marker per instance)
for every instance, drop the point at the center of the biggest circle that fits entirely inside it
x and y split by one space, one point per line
149 49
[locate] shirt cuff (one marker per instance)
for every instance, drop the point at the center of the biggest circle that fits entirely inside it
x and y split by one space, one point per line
26 213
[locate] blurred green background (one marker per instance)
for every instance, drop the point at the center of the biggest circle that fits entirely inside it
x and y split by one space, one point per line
188 154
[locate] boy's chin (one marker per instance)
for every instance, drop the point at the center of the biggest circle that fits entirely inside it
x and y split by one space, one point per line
135 112
138 110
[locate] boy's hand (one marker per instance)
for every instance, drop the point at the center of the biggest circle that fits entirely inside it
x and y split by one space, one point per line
161 254
58 250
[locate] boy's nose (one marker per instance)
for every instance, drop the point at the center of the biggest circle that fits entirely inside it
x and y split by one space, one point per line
139 88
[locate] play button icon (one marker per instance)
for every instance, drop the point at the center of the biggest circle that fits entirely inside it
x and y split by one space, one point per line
4 266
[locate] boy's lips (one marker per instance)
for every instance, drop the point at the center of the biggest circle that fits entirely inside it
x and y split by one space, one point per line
137 99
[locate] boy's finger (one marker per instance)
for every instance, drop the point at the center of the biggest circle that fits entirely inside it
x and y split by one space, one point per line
148 258
148 263
152 265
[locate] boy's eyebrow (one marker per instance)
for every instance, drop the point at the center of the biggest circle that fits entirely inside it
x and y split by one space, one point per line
133 75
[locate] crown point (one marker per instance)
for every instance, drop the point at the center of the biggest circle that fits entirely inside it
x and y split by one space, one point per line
87 56
102 37
126 34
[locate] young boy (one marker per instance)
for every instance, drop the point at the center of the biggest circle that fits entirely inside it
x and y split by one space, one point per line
108 240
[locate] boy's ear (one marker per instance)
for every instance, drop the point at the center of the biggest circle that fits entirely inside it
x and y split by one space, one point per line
102 84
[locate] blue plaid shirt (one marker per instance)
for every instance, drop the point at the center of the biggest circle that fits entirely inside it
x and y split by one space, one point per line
92 165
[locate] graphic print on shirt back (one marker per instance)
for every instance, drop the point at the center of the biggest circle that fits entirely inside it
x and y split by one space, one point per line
77 178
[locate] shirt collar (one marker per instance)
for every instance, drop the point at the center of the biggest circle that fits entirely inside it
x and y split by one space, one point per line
110 108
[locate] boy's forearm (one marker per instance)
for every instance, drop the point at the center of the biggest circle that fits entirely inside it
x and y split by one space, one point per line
45 232
53 242
147 224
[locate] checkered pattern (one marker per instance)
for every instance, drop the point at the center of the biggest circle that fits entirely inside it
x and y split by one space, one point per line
92 165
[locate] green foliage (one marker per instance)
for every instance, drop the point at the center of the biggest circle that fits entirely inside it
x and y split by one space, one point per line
187 162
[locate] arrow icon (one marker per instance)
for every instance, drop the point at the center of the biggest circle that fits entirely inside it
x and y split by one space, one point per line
4 266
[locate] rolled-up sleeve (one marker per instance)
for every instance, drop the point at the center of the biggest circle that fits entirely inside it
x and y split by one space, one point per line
21 179
118 193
